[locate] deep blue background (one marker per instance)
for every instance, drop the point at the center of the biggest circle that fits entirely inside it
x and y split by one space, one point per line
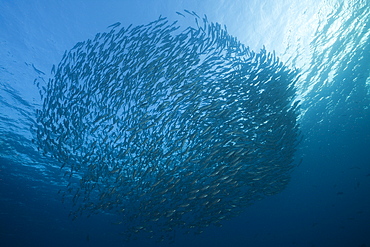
327 202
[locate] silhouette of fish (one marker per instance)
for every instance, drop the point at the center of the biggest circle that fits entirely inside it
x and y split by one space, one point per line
169 127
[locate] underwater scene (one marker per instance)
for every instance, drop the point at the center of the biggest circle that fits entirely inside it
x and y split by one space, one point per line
185 123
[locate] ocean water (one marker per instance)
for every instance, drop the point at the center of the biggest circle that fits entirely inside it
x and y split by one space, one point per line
327 199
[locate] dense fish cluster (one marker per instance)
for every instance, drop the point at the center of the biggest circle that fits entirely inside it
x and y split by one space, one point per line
169 128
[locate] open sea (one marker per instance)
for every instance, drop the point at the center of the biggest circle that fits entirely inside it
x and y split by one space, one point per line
185 123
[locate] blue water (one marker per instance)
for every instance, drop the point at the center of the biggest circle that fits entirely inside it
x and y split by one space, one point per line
327 202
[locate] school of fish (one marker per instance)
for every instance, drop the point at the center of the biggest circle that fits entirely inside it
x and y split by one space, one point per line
169 128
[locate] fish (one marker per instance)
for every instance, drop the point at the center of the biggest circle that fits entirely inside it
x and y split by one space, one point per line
180 14
169 128
114 25
37 70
